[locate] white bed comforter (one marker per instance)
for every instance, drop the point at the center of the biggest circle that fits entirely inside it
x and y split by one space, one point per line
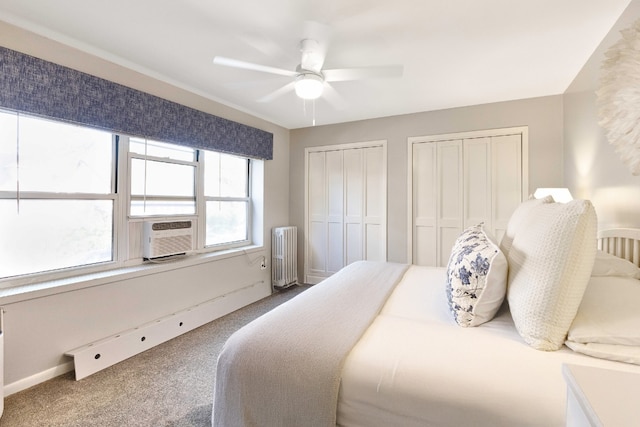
283 369
415 367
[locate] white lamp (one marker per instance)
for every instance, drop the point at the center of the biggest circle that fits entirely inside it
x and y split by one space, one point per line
560 195
309 86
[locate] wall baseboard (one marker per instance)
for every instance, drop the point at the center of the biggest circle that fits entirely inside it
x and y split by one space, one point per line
106 352
38 378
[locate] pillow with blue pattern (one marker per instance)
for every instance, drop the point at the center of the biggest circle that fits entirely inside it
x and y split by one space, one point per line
476 277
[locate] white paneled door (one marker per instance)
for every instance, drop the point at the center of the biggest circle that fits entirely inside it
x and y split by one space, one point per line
345 207
459 180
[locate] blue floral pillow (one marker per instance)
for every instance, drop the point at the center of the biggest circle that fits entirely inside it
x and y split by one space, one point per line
476 277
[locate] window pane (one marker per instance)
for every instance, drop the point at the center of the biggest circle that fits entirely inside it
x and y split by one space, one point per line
162 207
55 157
162 179
225 175
8 151
161 149
226 222
52 234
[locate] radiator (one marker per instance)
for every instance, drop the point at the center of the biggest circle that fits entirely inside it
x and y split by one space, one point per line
284 257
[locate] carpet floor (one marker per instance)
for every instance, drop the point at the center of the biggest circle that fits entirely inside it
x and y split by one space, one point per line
168 385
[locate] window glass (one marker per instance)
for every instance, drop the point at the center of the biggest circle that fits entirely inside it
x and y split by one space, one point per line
45 235
8 151
161 149
161 179
61 158
225 175
226 222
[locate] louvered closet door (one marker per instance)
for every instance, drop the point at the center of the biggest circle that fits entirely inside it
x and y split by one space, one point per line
346 205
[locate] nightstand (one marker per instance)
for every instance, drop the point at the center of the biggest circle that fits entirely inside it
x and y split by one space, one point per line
601 397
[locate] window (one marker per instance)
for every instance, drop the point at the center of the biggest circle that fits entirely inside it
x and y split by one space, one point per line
163 178
68 194
226 191
56 195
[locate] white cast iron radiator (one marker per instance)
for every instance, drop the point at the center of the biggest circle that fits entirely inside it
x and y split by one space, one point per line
284 256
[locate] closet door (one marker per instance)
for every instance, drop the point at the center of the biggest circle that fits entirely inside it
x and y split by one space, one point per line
424 204
334 190
317 223
450 197
508 189
457 183
437 194
477 182
346 208
375 205
353 205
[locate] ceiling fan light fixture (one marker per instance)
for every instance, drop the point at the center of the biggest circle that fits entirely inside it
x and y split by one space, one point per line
309 86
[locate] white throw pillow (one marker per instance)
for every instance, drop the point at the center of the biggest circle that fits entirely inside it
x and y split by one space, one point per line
611 265
476 277
550 262
516 219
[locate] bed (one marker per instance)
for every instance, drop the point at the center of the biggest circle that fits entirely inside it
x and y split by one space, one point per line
413 352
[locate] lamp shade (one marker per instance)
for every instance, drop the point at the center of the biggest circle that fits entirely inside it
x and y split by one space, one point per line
560 195
309 86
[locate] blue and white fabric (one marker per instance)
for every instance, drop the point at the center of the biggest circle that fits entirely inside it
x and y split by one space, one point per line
476 277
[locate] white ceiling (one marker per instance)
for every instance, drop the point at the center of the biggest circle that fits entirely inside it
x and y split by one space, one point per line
454 52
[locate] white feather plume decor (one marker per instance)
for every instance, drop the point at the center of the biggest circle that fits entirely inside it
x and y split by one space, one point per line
619 97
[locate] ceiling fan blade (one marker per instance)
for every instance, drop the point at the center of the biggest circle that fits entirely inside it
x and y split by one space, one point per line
344 74
277 93
229 62
333 97
321 34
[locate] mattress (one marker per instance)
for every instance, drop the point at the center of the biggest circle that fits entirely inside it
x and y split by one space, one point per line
414 366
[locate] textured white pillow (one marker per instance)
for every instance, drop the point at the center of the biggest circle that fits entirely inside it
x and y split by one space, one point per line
516 219
476 277
611 265
550 263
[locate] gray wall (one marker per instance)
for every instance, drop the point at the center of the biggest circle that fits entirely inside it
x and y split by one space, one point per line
543 116
38 331
592 170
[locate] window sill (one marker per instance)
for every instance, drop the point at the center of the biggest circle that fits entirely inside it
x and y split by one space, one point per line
42 289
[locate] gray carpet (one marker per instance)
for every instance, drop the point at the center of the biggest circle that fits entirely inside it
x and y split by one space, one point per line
168 385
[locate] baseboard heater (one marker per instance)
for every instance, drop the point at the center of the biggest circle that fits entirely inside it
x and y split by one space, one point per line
101 354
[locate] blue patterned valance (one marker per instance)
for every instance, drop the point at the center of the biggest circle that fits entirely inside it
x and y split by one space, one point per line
35 86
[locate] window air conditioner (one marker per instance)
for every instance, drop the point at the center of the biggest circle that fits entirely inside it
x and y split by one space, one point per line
167 238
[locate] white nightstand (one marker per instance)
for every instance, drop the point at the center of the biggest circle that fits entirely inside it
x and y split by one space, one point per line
601 397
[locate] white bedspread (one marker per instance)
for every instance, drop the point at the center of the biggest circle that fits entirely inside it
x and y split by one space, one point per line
415 367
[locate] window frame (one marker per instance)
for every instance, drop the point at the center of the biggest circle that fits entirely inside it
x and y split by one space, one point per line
247 199
116 231
145 157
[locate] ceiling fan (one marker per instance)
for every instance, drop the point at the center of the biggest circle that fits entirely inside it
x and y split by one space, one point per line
310 79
